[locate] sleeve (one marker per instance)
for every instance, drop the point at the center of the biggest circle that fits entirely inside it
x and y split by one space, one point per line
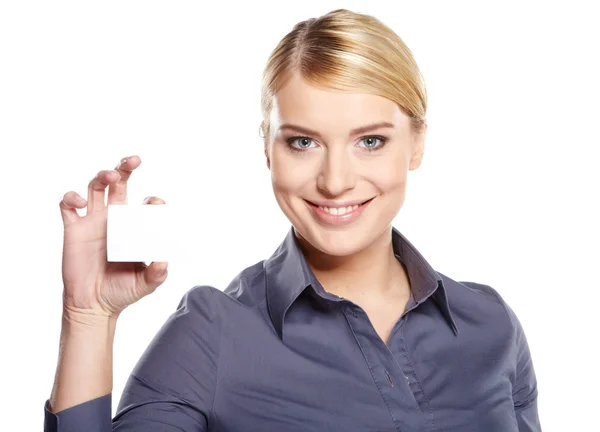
92 416
173 384
525 392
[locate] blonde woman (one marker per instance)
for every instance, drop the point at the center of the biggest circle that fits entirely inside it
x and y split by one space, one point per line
346 327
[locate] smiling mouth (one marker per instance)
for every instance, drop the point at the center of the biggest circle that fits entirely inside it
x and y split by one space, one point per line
340 211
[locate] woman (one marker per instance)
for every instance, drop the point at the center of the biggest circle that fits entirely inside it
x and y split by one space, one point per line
346 327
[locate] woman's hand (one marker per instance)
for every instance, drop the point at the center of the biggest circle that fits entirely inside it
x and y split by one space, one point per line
94 287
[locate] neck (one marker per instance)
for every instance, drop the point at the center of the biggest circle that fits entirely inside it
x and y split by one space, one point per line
373 271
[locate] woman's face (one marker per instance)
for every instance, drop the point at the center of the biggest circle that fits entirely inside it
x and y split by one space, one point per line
340 188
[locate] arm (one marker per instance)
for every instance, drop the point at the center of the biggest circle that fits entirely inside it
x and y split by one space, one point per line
525 391
84 375
84 370
171 388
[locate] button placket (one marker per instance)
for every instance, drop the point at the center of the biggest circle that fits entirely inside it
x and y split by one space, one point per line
397 396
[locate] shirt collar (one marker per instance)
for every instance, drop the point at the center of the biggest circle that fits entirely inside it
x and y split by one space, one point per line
288 275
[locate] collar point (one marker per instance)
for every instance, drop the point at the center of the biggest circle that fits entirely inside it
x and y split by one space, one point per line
454 328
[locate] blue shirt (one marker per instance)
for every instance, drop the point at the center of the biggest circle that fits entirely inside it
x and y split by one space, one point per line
276 352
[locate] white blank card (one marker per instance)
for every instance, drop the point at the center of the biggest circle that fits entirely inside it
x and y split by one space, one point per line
139 233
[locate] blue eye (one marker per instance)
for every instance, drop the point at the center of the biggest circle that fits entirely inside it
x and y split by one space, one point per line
303 142
299 143
373 142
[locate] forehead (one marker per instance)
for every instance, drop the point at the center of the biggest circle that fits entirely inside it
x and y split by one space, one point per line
330 110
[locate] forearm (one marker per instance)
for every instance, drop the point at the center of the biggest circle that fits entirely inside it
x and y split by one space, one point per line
84 371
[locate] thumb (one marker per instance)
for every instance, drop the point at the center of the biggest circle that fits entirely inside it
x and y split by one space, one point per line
154 275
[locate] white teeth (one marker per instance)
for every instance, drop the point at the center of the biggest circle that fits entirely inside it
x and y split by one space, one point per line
338 210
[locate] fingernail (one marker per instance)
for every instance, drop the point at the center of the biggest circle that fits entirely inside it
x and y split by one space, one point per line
148 199
123 161
80 198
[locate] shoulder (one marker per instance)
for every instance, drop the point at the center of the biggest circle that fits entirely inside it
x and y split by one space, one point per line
246 288
480 304
488 293
200 299
493 295
472 292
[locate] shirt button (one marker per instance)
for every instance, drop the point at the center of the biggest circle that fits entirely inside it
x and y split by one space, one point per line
389 378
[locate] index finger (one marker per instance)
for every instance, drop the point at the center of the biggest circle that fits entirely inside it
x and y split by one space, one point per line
117 192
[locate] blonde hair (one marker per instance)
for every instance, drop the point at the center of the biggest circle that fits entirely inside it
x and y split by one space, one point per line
347 51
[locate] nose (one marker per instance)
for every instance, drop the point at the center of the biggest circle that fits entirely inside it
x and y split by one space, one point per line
337 174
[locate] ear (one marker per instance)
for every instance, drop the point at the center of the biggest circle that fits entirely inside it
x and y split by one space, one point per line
267 155
261 133
418 149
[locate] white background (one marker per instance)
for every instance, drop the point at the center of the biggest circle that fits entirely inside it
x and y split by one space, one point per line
507 194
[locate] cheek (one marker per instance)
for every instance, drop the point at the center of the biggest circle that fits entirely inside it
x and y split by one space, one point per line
391 174
289 173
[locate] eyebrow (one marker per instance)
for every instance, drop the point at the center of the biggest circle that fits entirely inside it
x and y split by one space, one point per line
356 131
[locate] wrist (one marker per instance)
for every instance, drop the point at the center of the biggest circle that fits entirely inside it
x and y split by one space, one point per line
88 328
84 370
87 319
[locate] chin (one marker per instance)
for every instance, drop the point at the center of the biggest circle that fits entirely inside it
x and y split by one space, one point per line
337 242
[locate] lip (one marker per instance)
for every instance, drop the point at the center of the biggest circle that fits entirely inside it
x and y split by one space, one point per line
338 220
338 203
